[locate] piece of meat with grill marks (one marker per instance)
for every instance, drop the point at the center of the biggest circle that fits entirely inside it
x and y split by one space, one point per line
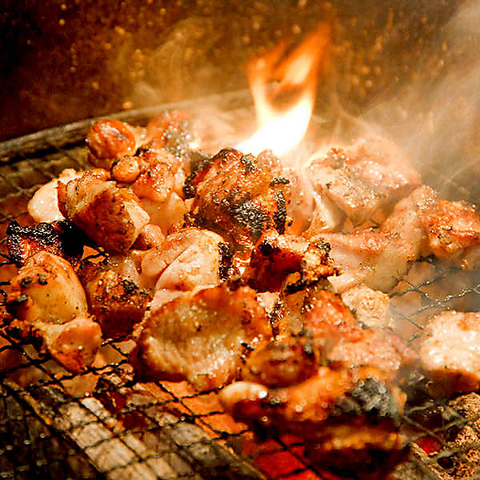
116 302
201 336
111 216
450 352
370 175
49 305
187 259
61 238
370 307
347 412
278 256
372 257
110 139
237 196
43 207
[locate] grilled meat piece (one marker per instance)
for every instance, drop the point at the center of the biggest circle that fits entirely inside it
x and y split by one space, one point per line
61 238
370 175
111 216
373 257
49 304
201 336
351 412
236 195
117 303
43 207
277 256
450 352
370 307
111 139
286 360
188 258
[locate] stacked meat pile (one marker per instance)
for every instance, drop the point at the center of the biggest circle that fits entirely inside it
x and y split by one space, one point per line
234 271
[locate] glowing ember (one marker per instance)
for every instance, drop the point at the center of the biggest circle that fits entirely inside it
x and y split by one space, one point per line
281 130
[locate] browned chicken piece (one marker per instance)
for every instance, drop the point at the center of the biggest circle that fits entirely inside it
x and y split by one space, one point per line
49 304
340 340
450 352
277 256
43 207
109 215
239 196
453 230
370 307
286 360
116 302
370 175
448 230
111 139
372 257
187 259
202 336
347 413
60 238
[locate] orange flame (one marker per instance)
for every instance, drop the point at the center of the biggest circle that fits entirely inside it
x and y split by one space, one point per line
281 130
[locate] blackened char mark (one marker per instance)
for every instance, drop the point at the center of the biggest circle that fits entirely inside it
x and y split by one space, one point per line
226 255
248 214
61 238
199 163
280 215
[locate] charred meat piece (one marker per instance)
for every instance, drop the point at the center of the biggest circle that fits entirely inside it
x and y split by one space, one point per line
370 175
202 336
43 207
350 412
111 216
60 238
450 352
277 256
111 139
117 303
49 305
236 196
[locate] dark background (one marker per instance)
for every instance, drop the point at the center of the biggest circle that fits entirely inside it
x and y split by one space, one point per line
65 60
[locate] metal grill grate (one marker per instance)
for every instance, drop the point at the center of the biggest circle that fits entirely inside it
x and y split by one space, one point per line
124 429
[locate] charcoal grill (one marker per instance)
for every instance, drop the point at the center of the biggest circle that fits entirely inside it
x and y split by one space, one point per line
124 430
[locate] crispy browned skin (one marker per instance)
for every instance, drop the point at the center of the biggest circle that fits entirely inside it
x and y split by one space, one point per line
277 256
117 303
110 139
49 304
237 196
111 216
60 238
202 336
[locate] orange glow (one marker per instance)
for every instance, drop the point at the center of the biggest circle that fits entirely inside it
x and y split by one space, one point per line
280 130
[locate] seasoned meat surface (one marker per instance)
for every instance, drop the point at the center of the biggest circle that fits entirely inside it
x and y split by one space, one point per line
49 305
201 336
370 175
450 352
116 302
111 216
237 196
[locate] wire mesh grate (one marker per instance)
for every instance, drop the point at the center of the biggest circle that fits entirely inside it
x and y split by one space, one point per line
104 424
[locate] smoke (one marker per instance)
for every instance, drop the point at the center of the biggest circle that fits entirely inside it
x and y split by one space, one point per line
437 122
